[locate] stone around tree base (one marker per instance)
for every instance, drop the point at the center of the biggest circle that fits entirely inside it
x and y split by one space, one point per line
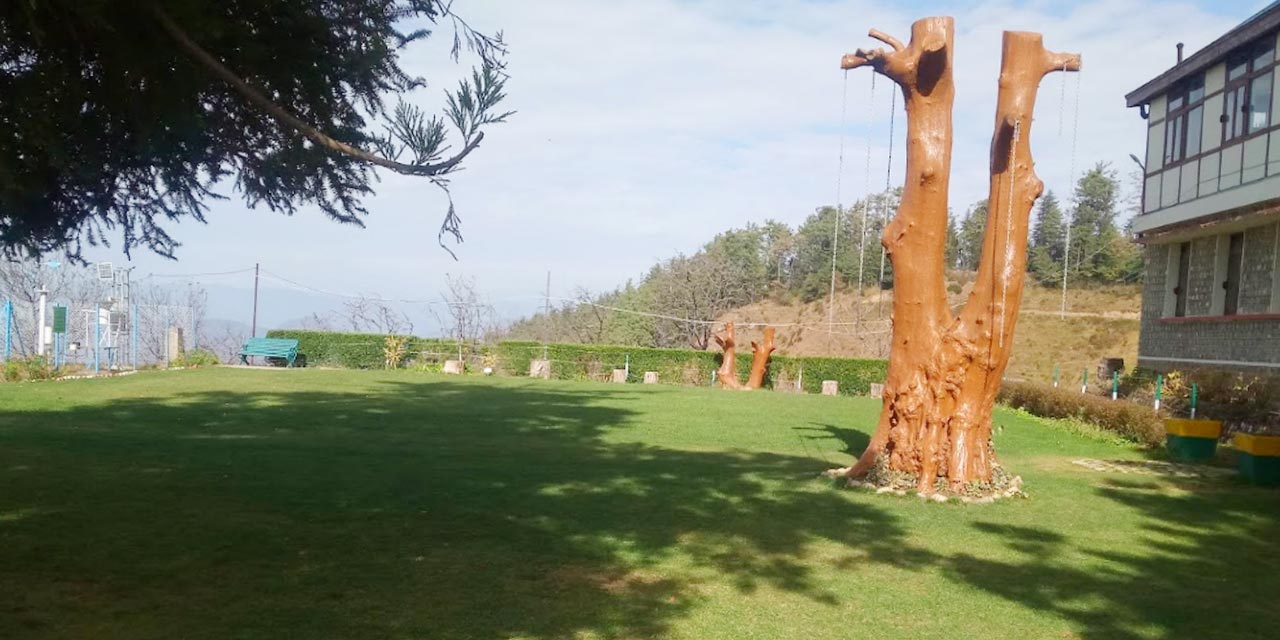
882 480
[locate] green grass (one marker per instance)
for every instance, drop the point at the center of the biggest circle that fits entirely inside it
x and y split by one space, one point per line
221 503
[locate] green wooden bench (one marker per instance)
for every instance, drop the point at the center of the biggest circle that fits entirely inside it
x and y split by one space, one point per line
285 349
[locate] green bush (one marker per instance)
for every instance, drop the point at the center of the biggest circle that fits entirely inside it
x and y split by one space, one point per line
685 366
33 368
1133 421
587 362
361 350
197 358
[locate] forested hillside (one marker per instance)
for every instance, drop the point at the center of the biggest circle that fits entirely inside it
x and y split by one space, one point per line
789 271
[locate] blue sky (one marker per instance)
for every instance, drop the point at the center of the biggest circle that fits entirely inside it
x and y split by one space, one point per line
646 126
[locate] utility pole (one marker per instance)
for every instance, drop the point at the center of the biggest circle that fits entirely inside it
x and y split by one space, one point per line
253 330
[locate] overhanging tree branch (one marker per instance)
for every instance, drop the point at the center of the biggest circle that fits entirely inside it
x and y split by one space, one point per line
252 94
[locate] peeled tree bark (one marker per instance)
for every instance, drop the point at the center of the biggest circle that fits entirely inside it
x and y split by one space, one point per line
945 369
727 374
760 359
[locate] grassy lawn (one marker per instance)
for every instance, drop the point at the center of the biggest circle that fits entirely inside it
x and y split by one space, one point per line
223 503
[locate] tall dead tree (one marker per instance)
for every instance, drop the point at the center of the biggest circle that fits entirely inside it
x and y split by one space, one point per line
945 369
760 352
727 374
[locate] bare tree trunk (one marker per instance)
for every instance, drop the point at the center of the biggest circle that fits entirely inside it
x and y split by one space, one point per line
760 359
728 371
945 370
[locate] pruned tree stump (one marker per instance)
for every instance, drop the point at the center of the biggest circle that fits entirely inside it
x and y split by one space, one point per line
651 377
945 367
453 367
619 375
540 369
830 388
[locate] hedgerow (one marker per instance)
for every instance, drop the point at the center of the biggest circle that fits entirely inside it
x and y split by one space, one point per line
1136 422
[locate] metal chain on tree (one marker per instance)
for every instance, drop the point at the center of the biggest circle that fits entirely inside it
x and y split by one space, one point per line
866 200
835 231
888 176
1071 177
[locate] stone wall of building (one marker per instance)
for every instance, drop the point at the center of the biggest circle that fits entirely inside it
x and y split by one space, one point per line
1211 340
1200 281
1259 263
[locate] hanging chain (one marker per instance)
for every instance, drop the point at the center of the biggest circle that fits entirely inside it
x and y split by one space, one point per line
1066 250
835 231
1008 226
884 205
866 199
1062 100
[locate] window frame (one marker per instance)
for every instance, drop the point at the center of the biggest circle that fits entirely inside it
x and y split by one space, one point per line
1241 87
1183 281
1177 121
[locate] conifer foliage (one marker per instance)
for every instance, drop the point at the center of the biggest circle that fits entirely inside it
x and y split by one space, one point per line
118 116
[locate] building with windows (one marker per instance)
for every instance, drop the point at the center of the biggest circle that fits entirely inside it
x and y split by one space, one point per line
1210 220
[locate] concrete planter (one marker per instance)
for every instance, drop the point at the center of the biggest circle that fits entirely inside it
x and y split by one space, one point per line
1259 458
1192 440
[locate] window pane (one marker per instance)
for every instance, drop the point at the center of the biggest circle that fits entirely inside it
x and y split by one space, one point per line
1175 100
1237 68
1196 92
1260 103
1231 111
1195 124
1264 57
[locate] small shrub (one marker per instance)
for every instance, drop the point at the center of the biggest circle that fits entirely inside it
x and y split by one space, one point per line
1135 422
33 368
197 358
393 351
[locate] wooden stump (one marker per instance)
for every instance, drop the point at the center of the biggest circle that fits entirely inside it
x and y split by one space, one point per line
651 377
830 388
453 367
619 375
540 369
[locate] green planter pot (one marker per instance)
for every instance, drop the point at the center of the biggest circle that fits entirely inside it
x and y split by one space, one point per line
1259 458
1192 440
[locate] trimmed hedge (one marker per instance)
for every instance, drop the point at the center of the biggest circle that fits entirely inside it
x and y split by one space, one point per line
1134 421
686 366
359 350
590 362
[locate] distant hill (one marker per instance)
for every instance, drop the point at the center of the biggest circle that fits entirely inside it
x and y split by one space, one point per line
1100 322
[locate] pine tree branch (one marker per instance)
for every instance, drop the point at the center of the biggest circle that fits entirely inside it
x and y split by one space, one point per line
253 95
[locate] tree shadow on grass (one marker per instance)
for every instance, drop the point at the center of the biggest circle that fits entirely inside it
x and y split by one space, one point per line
450 509
428 508
1205 565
